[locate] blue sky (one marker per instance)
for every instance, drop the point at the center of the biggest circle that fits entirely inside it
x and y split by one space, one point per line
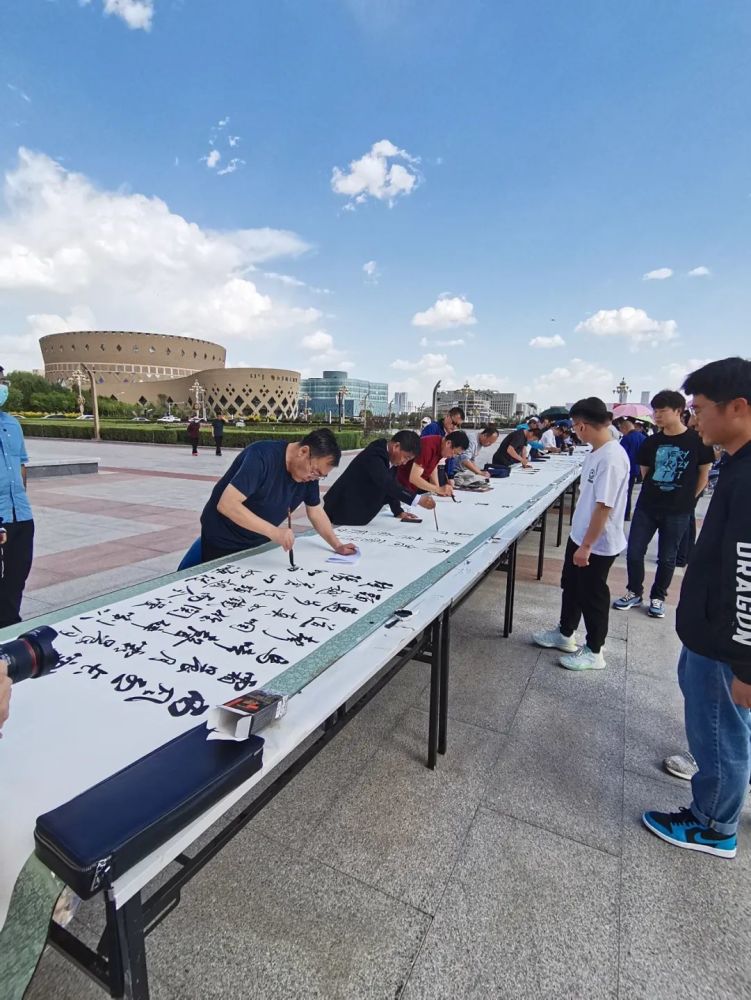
509 172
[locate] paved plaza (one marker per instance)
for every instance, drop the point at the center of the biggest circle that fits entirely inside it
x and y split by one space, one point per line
517 869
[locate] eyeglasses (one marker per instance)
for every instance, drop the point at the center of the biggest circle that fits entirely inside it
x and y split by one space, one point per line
315 471
697 411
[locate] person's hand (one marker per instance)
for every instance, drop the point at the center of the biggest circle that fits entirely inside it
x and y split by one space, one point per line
485 475
446 491
408 516
426 501
581 556
346 550
285 537
5 689
740 692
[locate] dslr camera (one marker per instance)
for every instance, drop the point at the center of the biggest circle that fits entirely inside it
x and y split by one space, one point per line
31 654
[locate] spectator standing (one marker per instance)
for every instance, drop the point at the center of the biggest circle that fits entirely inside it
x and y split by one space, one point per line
674 465
632 440
596 539
194 432
16 518
714 624
217 426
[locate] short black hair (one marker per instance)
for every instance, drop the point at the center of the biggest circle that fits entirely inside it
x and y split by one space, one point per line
456 411
591 410
408 441
323 444
458 439
668 399
489 429
534 431
721 381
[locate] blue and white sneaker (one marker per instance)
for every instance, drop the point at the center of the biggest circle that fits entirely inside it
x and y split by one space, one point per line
682 829
656 608
629 600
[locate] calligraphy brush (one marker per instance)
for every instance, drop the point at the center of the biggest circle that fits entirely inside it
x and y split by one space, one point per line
435 515
291 551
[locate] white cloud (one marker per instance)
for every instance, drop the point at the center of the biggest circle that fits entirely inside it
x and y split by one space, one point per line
447 311
212 159
546 343
572 381
318 341
676 372
384 173
372 274
426 361
458 342
131 263
20 93
217 138
233 140
699 272
486 380
292 282
660 274
234 164
135 13
421 376
631 324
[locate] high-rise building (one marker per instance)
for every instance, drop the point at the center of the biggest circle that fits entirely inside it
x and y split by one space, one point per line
321 395
645 398
479 405
401 404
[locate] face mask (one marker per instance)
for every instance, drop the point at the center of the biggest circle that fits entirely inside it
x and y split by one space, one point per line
3 395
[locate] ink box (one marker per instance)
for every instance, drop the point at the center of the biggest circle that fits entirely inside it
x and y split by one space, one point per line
246 715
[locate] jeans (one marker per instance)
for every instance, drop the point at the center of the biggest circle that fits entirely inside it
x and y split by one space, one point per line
632 481
218 443
687 543
719 737
585 592
670 530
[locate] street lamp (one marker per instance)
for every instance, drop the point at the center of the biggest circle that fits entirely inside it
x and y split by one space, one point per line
365 411
199 398
435 399
78 377
622 390
340 400
305 400
391 403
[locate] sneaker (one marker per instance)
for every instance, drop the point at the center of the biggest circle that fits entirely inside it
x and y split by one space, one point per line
656 609
681 765
629 600
554 639
583 659
682 829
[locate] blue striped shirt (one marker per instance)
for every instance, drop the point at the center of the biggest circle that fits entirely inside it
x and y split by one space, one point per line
14 503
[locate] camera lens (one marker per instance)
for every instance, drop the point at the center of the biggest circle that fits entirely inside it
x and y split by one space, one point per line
31 654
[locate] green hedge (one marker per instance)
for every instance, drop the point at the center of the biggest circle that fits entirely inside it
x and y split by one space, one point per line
233 437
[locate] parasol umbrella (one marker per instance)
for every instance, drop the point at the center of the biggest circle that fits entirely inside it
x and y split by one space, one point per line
636 410
554 413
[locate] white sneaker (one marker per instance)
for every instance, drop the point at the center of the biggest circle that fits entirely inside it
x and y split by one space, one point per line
554 639
583 659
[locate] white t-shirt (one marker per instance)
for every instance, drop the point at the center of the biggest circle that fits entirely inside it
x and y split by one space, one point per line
614 432
604 479
548 439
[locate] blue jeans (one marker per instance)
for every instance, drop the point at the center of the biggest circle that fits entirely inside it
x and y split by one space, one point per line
719 737
671 529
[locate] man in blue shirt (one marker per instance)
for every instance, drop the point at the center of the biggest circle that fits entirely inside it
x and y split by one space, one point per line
17 527
252 502
632 440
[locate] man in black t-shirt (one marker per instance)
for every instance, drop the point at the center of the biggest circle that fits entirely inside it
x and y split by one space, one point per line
511 450
217 426
675 466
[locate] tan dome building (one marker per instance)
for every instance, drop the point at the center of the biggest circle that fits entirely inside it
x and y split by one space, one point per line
142 367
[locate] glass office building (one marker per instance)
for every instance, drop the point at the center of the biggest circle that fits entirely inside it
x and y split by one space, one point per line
319 395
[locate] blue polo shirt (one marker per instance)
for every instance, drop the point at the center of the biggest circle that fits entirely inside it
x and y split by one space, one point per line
260 473
14 503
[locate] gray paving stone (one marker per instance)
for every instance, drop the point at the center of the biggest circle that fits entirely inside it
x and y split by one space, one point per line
654 723
685 932
567 726
573 795
400 826
262 922
527 915
599 688
653 646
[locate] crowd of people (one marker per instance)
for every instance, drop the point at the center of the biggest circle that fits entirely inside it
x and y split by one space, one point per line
253 502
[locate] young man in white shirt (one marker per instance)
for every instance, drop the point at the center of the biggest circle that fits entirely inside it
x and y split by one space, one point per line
596 539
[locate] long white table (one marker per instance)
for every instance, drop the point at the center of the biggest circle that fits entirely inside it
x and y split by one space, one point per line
323 700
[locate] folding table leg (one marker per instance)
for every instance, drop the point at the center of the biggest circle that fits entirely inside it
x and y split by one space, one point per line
561 506
513 587
541 552
129 949
574 489
508 615
435 692
443 712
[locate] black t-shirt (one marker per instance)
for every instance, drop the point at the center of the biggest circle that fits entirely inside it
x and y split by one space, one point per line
517 440
218 426
673 462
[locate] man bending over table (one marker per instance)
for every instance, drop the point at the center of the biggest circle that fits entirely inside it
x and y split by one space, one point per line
368 483
421 474
251 503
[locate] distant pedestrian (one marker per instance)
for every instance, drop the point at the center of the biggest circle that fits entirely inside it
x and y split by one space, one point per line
217 426
16 519
194 432
631 439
